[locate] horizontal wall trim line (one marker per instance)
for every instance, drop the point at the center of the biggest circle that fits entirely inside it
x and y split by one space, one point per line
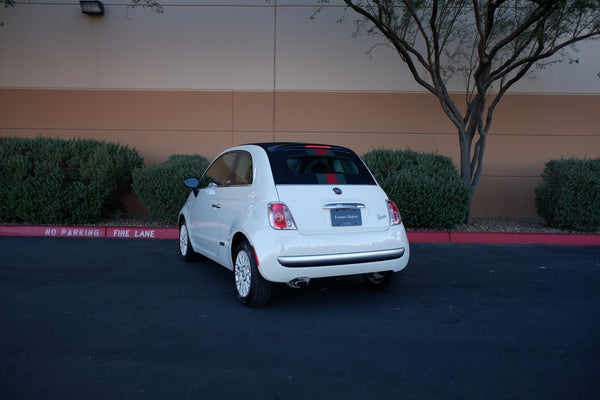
510 176
44 131
290 132
279 90
328 131
8 130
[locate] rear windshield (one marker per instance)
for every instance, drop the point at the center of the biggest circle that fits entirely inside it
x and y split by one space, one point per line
311 165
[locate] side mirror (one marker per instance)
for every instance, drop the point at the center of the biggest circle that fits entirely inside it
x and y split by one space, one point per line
192 183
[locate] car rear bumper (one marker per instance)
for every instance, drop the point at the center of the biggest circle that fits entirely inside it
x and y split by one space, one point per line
287 255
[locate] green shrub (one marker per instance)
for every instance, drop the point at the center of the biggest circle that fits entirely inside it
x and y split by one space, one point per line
55 181
569 195
426 187
160 187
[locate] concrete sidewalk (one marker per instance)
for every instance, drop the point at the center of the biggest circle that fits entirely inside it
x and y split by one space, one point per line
118 232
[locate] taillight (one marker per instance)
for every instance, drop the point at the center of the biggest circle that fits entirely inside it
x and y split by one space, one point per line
393 213
280 216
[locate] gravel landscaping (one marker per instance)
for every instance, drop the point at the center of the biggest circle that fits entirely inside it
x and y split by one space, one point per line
508 224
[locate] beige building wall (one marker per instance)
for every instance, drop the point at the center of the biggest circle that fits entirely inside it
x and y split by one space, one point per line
206 75
160 123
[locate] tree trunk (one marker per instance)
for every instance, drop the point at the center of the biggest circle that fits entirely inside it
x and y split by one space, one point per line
471 161
465 169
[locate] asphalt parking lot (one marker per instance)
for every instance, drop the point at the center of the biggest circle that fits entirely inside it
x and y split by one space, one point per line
126 319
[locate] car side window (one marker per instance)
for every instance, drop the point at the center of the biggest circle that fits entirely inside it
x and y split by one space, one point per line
220 171
243 170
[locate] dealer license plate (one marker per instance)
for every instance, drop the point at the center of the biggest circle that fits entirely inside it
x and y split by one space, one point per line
346 217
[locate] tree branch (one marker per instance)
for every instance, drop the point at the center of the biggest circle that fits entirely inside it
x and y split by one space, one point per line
536 56
519 30
403 48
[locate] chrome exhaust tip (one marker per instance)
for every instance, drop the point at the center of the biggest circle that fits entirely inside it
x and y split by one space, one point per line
298 283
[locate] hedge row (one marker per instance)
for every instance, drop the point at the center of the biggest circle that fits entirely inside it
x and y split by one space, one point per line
426 187
569 195
55 181
160 187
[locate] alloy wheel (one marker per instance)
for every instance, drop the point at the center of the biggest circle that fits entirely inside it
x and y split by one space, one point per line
243 273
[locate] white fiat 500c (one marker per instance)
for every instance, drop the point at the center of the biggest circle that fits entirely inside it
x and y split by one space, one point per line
290 212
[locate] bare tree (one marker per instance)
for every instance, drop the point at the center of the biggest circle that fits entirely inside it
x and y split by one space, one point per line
492 43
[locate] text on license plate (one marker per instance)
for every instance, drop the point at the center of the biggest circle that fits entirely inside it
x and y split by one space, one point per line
346 217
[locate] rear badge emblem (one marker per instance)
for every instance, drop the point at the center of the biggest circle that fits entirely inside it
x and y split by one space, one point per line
337 190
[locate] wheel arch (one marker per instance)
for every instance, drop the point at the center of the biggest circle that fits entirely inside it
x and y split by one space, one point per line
181 220
238 238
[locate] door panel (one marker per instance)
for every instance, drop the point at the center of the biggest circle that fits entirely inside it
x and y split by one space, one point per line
207 208
205 222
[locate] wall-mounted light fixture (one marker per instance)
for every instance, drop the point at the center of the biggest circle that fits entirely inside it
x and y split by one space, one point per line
91 7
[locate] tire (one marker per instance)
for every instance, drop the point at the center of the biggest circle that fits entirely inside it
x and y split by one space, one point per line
383 280
251 288
185 245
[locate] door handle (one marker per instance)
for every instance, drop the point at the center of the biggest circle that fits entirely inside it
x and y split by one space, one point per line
216 205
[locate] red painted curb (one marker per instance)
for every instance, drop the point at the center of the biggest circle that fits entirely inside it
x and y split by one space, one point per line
413 236
525 238
53 231
142 233
89 232
504 238
428 237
